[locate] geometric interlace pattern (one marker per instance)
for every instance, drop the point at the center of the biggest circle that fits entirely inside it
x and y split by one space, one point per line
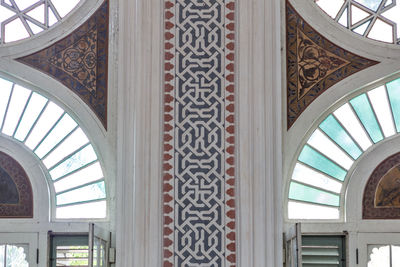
20 19
199 133
373 19
198 199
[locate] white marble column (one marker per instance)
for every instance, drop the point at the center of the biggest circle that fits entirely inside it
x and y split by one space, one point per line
259 133
139 215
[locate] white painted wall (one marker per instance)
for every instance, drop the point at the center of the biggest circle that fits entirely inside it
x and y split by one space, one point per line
103 142
295 138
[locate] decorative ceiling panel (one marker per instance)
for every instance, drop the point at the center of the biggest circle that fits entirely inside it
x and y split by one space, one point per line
80 62
313 64
16 197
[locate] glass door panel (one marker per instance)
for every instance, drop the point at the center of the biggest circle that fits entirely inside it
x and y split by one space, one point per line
98 246
379 249
18 249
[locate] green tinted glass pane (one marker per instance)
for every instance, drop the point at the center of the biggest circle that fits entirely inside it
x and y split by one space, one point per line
309 194
335 131
393 89
314 159
86 193
367 117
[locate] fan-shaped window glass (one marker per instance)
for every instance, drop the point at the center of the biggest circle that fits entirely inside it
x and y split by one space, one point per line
58 141
374 19
316 186
20 19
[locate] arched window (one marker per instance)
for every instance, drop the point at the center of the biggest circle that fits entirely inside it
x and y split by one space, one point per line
56 139
317 187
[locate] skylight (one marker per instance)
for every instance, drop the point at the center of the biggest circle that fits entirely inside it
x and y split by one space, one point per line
374 19
62 146
316 186
21 19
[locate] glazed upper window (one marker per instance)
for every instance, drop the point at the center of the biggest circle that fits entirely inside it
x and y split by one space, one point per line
57 140
21 19
373 19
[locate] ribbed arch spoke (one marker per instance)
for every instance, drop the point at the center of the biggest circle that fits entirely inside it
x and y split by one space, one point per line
62 146
331 150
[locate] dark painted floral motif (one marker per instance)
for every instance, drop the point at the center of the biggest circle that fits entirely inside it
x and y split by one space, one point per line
388 190
313 64
382 193
80 62
16 197
8 189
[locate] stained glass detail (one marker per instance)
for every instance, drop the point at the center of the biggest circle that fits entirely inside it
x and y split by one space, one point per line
65 150
334 146
383 15
21 19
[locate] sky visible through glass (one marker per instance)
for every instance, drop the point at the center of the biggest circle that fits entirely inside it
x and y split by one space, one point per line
62 146
331 150
374 19
21 19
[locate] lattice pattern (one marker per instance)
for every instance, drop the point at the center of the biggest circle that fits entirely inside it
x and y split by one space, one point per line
199 184
21 19
374 19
